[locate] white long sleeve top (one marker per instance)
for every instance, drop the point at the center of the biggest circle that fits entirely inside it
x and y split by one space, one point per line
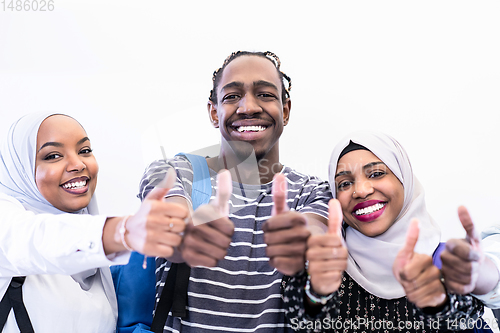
491 248
68 285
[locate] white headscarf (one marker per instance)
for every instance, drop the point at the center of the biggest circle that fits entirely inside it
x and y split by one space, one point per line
17 166
371 258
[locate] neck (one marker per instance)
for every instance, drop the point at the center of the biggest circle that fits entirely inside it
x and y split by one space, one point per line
245 166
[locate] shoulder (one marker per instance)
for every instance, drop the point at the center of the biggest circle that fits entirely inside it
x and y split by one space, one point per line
306 184
297 177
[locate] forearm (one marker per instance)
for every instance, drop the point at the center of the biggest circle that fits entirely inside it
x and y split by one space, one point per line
111 239
488 277
49 244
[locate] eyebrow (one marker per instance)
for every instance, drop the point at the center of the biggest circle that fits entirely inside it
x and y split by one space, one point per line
369 165
58 144
259 83
233 84
265 84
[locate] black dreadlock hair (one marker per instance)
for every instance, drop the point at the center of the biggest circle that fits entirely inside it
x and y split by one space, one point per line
285 93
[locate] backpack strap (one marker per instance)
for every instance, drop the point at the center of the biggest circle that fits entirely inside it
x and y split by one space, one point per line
436 256
202 186
13 299
174 295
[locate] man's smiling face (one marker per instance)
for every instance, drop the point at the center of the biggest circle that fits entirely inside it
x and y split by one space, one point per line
249 106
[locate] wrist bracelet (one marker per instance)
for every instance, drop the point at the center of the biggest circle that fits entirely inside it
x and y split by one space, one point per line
122 231
314 297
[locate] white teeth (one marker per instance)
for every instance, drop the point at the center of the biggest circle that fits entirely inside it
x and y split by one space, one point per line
370 209
75 185
251 128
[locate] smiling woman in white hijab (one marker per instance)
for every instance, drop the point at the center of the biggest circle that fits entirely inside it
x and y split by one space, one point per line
378 197
55 255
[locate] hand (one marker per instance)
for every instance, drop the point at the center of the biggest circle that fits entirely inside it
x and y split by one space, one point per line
285 233
209 232
462 258
156 227
327 254
417 273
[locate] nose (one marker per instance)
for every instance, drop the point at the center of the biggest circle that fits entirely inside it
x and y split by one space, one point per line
248 105
363 189
75 164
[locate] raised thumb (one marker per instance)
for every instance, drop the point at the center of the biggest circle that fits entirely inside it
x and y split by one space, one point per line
159 192
411 239
334 217
224 191
279 191
470 229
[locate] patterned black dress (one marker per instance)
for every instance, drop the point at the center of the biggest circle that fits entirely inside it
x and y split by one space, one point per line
353 309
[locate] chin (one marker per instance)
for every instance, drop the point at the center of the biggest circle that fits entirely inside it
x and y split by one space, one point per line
74 207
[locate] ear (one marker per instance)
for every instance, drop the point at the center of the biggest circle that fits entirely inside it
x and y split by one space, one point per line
212 114
286 111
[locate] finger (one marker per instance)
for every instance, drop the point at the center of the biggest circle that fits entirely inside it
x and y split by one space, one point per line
286 250
280 188
461 249
334 217
206 233
466 220
224 190
172 225
326 253
419 266
423 272
284 221
285 236
158 193
411 238
324 240
287 265
169 210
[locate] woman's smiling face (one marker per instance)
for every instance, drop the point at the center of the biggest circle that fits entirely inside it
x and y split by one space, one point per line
65 168
371 196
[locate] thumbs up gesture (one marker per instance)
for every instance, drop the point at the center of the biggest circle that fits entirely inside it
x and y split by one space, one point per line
327 254
208 234
417 273
156 227
463 258
285 233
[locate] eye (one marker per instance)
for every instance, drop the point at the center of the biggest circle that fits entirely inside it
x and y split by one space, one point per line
230 97
52 157
266 95
376 174
86 151
344 185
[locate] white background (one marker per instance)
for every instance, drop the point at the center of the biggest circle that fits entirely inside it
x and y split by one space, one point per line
137 75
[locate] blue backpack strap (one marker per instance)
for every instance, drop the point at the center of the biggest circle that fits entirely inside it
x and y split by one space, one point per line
202 186
436 256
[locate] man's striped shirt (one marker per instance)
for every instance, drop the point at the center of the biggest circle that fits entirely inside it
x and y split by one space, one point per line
243 292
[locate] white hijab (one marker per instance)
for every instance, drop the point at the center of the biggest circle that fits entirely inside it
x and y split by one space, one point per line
17 176
371 258
17 166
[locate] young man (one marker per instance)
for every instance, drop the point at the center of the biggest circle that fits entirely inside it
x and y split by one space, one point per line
239 260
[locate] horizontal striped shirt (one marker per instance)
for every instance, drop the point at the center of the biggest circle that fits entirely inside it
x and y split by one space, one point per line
243 292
